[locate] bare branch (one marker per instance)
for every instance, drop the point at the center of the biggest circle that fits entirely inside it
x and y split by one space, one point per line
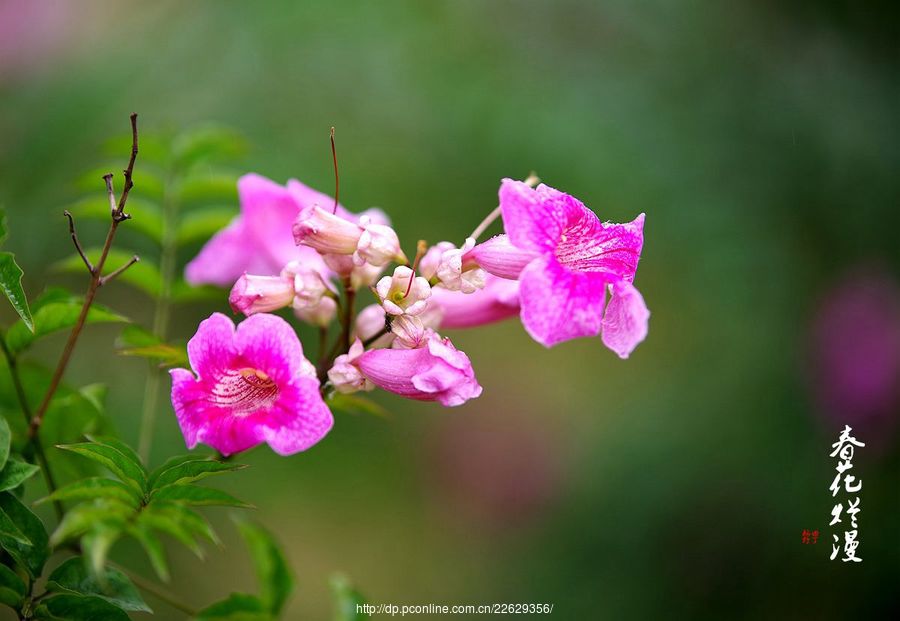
120 211
110 276
111 193
87 262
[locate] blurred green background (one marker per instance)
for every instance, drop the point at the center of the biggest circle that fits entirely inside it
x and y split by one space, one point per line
761 139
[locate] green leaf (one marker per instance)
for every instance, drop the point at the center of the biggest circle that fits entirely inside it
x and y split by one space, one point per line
153 548
171 524
208 187
194 495
236 607
8 530
100 514
96 545
136 341
275 580
202 224
346 599
11 284
53 317
189 519
353 404
80 608
147 218
5 437
120 446
31 557
129 472
207 143
12 588
92 489
143 275
190 471
115 587
14 473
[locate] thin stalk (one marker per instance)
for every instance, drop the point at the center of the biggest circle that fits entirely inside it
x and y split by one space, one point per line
167 266
532 180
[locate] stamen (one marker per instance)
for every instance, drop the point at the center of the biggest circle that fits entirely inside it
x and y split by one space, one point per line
337 184
245 391
421 247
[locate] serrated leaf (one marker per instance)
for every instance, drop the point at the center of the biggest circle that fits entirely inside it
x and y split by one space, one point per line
153 548
16 472
11 285
12 588
275 580
146 215
5 437
208 143
195 495
236 607
144 274
115 587
190 471
102 513
346 600
31 557
129 472
82 608
201 224
53 317
92 489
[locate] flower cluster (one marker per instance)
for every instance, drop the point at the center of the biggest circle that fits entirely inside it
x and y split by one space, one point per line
291 246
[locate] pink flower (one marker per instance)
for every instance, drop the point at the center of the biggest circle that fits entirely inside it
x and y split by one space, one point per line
346 376
259 240
399 297
446 263
260 294
437 371
497 301
574 257
367 242
253 385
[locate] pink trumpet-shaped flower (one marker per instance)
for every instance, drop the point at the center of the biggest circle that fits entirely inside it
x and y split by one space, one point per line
498 300
436 371
259 240
261 294
574 257
252 385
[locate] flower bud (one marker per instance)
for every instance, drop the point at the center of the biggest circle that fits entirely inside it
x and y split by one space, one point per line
320 314
260 294
499 257
398 297
325 232
410 332
309 285
455 275
378 244
345 376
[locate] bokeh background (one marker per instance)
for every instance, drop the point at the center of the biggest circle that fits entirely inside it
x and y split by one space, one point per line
760 138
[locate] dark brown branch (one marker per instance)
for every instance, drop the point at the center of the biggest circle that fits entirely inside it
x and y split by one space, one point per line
87 262
110 276
117 217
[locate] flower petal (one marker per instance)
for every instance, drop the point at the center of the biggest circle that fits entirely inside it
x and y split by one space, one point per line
625 320
498 256
588 245
299 420
559 305
269 343
223 259
532 223
211 349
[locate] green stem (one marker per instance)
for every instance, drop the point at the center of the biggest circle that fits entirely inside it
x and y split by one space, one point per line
167 266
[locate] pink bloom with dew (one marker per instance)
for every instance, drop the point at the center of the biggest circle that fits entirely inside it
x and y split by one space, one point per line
436 371
574 257
399 296
259 240
252 385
